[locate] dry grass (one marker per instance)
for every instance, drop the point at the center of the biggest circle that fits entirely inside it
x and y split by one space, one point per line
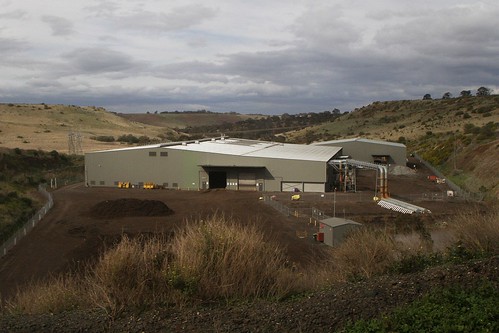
478 232
57 294
365 253
130 275
220 260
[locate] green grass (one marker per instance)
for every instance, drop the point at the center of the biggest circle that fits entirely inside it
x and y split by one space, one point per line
453 309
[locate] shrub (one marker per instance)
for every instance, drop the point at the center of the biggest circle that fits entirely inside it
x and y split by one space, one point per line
103 138
477 232
222 260
130 275
128 138
366 252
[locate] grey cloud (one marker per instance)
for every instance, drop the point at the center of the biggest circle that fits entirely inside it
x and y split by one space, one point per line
100 60
326 28
59 25
13 15
194 71
9 45
178 18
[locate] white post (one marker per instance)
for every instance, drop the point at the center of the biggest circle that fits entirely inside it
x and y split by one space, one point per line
334 203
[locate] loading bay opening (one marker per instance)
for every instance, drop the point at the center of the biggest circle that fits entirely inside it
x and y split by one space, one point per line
218 179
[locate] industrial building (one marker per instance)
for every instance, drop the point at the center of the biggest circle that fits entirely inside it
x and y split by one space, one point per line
372 151
233 164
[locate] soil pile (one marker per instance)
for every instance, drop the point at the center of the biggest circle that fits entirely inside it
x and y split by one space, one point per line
129 208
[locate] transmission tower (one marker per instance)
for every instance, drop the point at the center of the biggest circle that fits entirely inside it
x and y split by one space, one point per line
74 143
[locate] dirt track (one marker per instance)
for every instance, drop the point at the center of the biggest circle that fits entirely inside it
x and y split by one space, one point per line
71 233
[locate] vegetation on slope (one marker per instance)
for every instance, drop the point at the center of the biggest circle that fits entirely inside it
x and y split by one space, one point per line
21 173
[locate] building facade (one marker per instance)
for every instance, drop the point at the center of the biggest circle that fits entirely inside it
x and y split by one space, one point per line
233 164
372 151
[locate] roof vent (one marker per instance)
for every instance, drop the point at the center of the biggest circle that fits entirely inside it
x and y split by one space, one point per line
196 142
184 143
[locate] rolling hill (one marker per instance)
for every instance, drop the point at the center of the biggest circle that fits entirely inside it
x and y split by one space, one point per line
457 135
46 127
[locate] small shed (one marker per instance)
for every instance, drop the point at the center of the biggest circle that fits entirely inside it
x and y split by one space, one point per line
334 229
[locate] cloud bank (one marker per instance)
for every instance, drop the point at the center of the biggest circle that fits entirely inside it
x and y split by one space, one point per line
259 57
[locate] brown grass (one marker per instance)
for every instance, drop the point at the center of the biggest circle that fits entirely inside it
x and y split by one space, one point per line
133 274
57 294
478 231
365 253
220 260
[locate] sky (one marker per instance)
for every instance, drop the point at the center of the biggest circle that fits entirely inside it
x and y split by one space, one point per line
267 57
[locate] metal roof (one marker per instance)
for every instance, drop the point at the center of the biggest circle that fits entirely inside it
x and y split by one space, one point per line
250 148
253 148
336 222
339 142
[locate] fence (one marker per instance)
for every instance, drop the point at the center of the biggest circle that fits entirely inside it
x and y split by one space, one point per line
459 191
30 224
270 200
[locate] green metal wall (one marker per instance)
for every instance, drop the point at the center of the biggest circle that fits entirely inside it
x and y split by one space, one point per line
187 169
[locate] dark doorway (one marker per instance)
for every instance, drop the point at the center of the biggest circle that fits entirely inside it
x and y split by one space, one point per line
218 179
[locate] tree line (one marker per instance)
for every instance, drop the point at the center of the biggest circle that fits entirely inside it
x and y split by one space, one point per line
482 91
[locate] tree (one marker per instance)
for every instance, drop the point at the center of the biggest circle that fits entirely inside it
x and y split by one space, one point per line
483 91
427 97
447 95
466 93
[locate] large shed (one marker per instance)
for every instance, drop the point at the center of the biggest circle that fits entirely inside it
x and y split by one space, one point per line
335 229
372 151
230 163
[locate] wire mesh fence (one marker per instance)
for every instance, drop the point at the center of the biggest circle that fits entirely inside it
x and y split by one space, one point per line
459 192
29 225
279 206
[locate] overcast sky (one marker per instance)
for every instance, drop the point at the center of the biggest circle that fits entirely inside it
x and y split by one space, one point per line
259 56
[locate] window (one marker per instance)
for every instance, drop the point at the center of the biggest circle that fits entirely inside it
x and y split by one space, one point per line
175 185
165 185
102 182
92 182
163 154
116 183
152 153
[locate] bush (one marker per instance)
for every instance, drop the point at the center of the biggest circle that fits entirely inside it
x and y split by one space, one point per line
128 138
103 138
477 233
133 274
221 260
366 252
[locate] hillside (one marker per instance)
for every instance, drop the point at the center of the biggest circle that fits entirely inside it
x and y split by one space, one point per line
459 136
185 119
46 127
405 121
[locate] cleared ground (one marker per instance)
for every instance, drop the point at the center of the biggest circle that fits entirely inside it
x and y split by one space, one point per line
79 228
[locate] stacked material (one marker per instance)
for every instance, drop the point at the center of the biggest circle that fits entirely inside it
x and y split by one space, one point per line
401 206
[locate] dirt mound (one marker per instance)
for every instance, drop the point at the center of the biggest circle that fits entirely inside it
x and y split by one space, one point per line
129 208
